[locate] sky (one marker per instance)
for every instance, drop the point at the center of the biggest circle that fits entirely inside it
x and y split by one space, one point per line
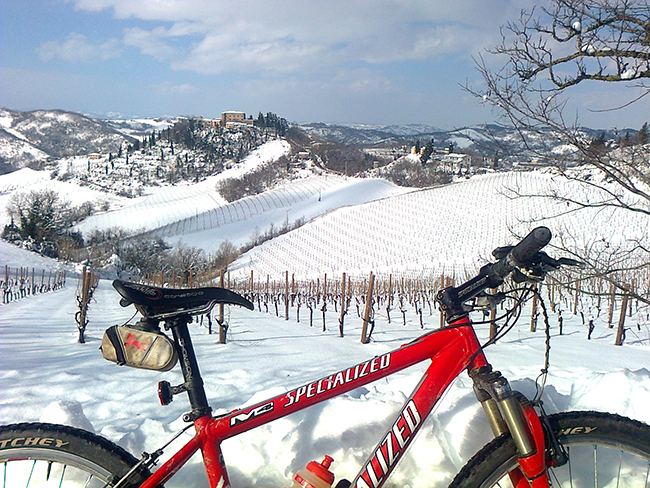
359 62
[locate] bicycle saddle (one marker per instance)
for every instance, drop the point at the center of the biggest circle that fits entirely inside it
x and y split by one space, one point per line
153 301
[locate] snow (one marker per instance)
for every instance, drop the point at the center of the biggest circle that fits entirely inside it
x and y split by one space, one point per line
26 179
164 205
447 231
6 121
47 376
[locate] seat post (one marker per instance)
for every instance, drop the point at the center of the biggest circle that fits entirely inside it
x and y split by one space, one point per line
190 368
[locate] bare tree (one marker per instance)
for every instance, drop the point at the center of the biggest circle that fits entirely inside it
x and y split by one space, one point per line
548 52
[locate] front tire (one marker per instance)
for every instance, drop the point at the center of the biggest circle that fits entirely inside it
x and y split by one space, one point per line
605 450
39 455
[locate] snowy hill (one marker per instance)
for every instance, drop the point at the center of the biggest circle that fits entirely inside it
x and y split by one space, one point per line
53 133
354 225
358 224
448 230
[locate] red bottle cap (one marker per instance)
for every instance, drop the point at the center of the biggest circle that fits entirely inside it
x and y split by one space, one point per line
321 470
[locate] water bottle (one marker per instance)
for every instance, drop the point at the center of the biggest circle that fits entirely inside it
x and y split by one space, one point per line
315 475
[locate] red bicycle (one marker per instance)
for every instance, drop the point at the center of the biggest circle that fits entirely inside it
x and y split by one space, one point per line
530 449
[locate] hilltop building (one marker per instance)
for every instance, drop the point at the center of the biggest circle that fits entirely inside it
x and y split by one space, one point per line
233 117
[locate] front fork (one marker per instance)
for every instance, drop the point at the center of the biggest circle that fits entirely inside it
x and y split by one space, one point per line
509 411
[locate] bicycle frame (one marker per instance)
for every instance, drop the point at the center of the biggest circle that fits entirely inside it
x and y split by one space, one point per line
451 350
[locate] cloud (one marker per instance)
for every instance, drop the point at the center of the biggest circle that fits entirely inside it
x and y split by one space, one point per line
213 36
78 49
153 43
168 88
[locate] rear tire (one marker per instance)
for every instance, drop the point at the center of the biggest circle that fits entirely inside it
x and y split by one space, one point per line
37 454
605 450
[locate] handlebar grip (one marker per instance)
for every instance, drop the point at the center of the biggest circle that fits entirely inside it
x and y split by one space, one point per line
523 252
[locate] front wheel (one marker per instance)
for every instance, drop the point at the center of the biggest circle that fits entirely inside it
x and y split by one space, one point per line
43 455
605 450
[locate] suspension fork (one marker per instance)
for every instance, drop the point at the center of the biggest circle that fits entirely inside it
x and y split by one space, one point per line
509 411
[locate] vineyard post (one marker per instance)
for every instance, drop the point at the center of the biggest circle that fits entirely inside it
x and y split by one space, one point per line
533 312
493 316
389 300
343 305
324 307
599 292
442 315
620 333
286 295
551 293
365 338
83 303
612 300
220 319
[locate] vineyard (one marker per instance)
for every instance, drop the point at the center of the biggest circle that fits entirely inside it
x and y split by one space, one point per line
23 282
449 231
397 301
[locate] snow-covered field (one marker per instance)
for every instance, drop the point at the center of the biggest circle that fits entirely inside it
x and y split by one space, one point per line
448 229
45 375
364 224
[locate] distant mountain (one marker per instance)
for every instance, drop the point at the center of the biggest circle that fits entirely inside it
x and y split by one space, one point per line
35 136
15 152
140 127
487 140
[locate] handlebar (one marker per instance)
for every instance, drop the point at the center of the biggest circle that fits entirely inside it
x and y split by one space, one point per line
522 253
526 254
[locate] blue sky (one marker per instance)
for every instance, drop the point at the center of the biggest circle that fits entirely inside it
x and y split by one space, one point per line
341 61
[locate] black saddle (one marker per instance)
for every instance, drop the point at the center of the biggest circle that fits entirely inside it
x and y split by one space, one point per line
156 302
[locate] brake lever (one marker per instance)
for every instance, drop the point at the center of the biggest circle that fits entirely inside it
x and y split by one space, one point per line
539 266
488 301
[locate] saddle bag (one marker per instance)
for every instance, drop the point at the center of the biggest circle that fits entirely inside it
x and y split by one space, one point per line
131 346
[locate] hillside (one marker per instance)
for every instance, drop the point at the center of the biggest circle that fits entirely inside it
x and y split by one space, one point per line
41 134
450 230
488 141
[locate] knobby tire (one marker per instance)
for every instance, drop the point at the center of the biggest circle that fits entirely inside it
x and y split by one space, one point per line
605 450
39 455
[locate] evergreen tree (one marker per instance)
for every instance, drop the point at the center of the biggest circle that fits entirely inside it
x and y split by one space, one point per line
427 152
642 137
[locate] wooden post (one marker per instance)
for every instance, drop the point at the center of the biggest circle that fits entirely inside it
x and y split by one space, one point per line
493 325
343 307
551 290
220 319
533 312
286 295
620 333
633 290
365 338
612 301
83 303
